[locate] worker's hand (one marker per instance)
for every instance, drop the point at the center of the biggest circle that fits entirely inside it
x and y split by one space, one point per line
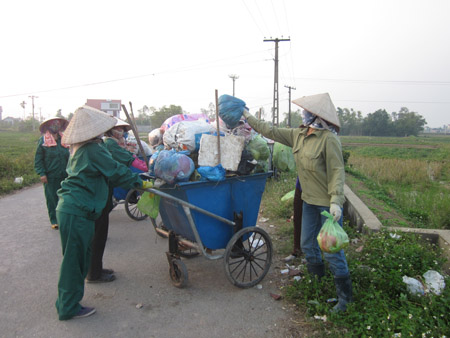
44 179
147 184
336 211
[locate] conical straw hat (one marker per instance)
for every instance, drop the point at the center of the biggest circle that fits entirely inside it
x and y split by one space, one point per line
123 124
43 125
320 105
87 123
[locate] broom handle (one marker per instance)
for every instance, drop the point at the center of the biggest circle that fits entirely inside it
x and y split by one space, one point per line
217 122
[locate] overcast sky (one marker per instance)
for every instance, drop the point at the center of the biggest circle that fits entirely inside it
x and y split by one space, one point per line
368 55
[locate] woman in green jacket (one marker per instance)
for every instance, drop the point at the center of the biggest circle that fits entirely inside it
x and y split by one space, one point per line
320 167
50 162
114 143
82 197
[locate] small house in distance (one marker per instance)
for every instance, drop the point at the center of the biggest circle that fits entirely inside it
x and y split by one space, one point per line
111 107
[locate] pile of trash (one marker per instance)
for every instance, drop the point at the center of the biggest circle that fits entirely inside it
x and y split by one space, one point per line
185 147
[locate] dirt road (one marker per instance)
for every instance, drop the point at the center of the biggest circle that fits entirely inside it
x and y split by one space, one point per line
210 306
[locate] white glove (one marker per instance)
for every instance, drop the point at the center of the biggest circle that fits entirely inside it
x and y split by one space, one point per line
336 211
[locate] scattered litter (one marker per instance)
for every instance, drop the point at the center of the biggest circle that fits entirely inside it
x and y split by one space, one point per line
435 281
262 219
360 248
18 180
256 244
258 286
313 302
414 286
139 306
324 317
271 226
284 271
331 300
354 240
294 272
275 296
395 236
297 278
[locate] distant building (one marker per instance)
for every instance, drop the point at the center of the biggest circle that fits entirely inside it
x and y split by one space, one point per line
11 120
111 107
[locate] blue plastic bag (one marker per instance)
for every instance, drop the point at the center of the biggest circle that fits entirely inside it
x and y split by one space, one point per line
172 166
215 174
230 110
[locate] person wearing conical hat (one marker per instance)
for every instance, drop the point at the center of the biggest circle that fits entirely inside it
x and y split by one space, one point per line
320 167
50 162
82 197
114 143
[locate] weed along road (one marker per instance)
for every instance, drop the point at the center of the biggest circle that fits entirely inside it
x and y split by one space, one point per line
141 302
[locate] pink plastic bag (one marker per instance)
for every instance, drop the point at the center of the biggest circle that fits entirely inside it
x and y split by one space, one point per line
139 164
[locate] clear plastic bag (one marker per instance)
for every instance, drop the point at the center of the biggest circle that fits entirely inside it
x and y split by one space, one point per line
332 237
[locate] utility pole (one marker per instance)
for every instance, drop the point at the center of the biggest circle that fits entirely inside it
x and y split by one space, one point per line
32 107
234 78
22 104
275 108
289 115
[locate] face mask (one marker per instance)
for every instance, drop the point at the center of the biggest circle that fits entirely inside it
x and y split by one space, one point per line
54 126
125 134
307 117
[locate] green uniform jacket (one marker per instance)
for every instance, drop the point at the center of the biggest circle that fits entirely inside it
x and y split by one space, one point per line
318 157
51 161
85 191
118 153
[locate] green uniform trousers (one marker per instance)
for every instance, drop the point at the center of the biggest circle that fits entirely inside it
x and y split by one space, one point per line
76 236
51 197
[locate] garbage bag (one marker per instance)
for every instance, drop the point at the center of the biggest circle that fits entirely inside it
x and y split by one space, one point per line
283 159
230 110
216 173
171 121
182 135
172 166
149 204
155 138
332 237
259 148
434 281
414 286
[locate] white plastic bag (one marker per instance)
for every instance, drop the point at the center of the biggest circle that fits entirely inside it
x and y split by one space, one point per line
435 281
414 286
181 136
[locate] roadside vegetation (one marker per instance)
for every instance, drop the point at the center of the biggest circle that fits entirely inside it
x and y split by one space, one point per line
382 306
17 159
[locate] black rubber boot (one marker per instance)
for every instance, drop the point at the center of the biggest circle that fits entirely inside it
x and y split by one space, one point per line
317 269
344 292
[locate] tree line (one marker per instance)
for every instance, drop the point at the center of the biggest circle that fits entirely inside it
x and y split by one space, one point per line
379 123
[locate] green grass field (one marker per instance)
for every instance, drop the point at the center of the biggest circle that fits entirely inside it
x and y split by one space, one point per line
411 175
17 151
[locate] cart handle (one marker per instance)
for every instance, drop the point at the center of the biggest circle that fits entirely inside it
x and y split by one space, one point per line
189 205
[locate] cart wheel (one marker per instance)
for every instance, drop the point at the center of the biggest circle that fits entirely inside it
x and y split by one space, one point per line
131 208
248 257
158 224
178 273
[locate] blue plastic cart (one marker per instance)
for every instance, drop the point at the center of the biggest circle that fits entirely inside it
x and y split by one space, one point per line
218 220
